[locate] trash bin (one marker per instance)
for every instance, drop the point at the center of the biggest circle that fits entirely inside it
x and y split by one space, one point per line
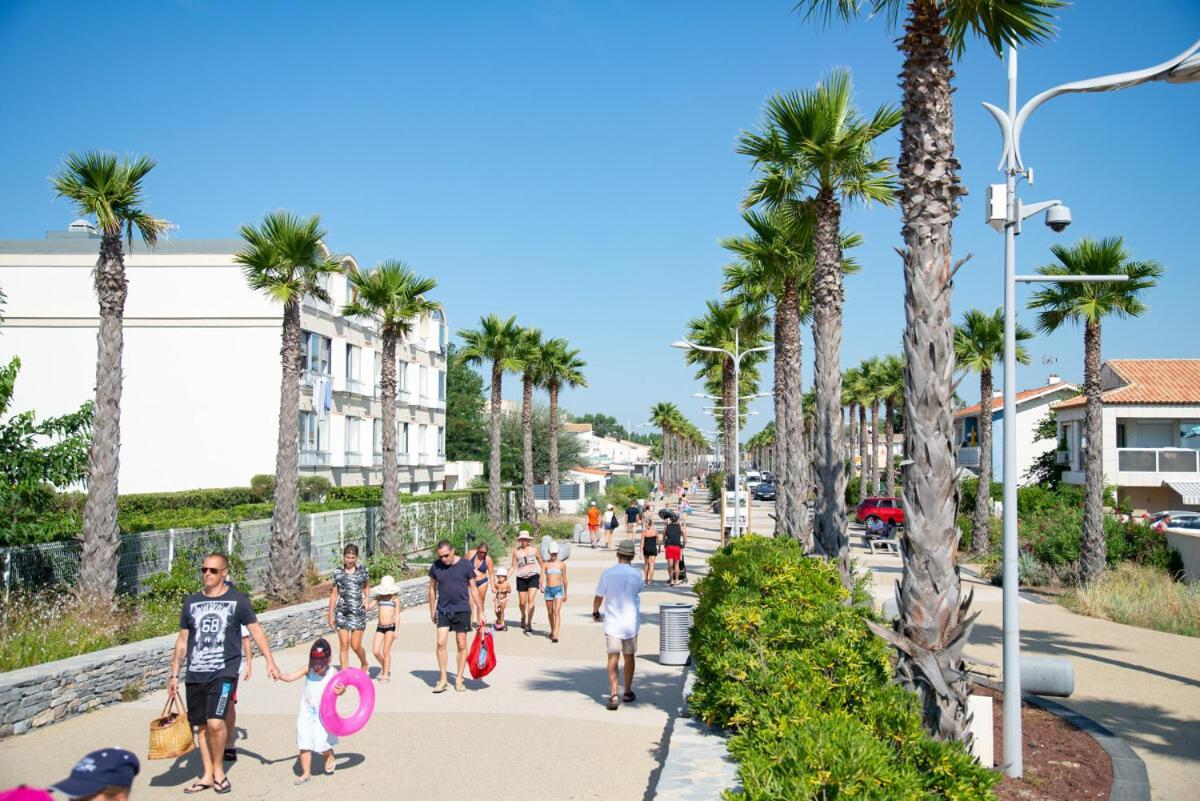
674 626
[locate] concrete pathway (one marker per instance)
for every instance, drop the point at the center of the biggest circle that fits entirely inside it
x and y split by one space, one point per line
1143 685
540 716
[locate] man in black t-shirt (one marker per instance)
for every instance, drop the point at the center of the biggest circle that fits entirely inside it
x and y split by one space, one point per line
210 636
451 606
632 512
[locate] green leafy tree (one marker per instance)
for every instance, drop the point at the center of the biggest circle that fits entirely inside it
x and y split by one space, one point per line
466 431
1045 469
391 297
285 258
1088 303
110 190
815 147
512 435
497 342
978 344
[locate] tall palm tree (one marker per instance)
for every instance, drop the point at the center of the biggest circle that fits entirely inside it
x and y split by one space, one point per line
933 624
496 341
892 390
664 415
392 298
560 366
1089 303
531 350
101 186
851 394
285 258
873 373
978 344
815 145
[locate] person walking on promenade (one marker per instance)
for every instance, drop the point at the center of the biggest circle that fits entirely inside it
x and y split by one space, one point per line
104 775
451 607
649 547
556 590
617 591
247 669
348 606
385 625
527 567
611 521
210 638
633 513
500 596
311 735
484 575
675 539
593 523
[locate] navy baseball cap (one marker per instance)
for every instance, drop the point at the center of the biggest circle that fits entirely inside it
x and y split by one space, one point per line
108 767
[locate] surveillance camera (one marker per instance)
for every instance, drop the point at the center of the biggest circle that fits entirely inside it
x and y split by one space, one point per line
1058 218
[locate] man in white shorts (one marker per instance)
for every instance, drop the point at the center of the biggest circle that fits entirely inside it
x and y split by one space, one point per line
618 590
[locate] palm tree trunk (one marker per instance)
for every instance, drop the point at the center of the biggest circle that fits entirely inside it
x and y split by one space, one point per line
852 443
889 432
285 573
1094 553
790 478
864 463
666 479
933 624
874 480
830 531
783 479
554 505
729 390
983 495
101 537
389 534
529 509
494 508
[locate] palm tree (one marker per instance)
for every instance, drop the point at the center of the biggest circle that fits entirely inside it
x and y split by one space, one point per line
1089 303
392 298
978 343
560 366
499 342
664 415
873 373
100 186
851 392
816 145
891 389
285 258
933 624
530 347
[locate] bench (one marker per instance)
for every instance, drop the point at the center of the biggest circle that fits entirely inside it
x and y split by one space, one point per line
885 544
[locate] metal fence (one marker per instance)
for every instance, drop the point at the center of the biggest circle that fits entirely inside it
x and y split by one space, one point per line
323 535
566 492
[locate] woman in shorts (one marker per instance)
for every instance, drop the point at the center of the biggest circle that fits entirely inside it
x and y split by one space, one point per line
527 567
649 548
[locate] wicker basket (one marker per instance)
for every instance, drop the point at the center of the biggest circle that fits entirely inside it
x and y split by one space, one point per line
170 733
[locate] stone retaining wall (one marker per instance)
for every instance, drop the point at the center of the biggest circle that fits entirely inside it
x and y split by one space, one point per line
43 694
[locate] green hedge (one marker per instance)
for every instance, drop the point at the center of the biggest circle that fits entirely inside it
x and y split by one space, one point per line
790 666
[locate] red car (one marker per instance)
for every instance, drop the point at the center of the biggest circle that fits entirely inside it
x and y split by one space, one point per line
889 510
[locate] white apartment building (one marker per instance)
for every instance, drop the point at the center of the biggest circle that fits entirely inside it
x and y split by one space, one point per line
608 451
201 367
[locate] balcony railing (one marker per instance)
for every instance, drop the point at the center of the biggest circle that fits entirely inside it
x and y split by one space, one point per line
354 459
968 457
359 387
1158 460
314 458
309 378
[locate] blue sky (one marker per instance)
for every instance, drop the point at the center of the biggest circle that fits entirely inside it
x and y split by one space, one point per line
573 162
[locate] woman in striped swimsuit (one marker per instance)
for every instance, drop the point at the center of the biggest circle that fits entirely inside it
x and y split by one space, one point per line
527 567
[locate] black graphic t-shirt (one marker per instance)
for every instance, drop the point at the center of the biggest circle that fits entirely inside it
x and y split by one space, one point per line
215 633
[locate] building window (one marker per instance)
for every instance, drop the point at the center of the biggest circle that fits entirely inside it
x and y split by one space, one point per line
1120 435
423 386
401 377
314 433
353 362
441 385
352 435
402 445
441 441
377 436
314 353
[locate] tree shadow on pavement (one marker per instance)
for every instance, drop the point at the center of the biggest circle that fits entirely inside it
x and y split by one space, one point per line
658 690
188 768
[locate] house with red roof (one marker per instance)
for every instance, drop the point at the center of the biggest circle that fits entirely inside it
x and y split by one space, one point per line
1150 432
1032 407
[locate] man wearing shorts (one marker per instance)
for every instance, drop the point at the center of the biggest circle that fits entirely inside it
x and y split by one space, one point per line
593 518
210 626
451 606
618 590
633 513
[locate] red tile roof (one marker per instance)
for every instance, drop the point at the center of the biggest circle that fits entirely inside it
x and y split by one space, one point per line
1149 381
591 470
578 428
998 400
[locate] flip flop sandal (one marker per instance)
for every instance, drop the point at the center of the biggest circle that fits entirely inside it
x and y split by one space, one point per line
441 687
305 780
329 771
458 688
613 702
629 697
196 787
222 787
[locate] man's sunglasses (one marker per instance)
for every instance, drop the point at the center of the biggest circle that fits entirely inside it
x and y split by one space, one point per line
212 570
445 555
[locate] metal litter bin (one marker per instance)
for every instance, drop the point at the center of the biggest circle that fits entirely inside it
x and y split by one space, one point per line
674 627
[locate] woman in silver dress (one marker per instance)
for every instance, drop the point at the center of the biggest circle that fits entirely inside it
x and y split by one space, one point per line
348 606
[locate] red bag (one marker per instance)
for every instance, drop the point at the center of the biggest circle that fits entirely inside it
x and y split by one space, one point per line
481 659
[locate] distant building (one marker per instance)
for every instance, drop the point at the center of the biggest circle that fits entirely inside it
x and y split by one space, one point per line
1150 433
616 455
202 376
1032 407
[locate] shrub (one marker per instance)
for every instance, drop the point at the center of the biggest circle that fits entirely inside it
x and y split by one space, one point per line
853 492
1139 595
189 499
561 528
622 490
313 488
263 486
387 564
366 495
480 532
716 482
791 667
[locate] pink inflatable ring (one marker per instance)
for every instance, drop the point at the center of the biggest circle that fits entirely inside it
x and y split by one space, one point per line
345 726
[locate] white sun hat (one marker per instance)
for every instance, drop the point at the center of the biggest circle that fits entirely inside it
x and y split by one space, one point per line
524 535
386 586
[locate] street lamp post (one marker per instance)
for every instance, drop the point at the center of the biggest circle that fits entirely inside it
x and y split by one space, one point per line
736 355
1005 213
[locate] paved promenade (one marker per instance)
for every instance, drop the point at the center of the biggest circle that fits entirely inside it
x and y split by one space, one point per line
1143 685
537 726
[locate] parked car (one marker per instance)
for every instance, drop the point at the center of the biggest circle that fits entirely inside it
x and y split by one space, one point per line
764 491
1181 522
753 478
889 510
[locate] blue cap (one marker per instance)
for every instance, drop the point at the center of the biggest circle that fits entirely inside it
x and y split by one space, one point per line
109 767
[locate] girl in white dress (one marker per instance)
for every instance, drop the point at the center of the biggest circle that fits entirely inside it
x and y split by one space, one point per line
310 731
